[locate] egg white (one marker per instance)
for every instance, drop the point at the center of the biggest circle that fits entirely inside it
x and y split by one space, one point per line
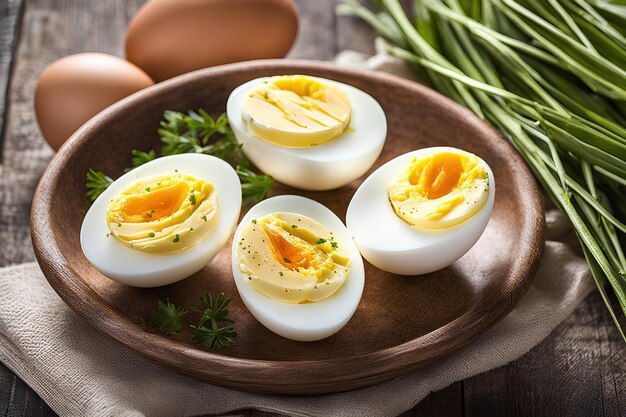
139 269
310 321
390 244
324 167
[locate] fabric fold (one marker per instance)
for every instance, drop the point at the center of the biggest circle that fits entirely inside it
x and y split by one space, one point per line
78 371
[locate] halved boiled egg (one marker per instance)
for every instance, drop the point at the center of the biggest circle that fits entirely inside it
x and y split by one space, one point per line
307 132
163 221
296 268
422 211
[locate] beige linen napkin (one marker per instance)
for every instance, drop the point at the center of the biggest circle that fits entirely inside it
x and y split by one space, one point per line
79 372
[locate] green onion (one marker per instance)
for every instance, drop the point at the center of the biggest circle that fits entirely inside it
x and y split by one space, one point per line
550 76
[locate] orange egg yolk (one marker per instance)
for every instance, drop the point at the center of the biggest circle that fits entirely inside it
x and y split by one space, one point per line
291 252
156 204
438 175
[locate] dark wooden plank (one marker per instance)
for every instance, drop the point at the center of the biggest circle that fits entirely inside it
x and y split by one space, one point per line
17 399
316 34
546 374
579 370
447 402
10 14
50 29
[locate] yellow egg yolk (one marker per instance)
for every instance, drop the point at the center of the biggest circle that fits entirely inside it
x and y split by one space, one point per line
298 250
439 190
154 204
291 264
296 111
163 214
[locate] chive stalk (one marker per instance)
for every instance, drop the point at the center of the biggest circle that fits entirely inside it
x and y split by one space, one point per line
550 76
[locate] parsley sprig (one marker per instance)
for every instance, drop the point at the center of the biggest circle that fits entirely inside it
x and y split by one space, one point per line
208 331
195 132
253 187
140 158
96 183
168 318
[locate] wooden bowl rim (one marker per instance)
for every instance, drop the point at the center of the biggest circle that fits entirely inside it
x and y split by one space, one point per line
277 376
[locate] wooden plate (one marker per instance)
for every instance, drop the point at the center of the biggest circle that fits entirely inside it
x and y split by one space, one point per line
402 323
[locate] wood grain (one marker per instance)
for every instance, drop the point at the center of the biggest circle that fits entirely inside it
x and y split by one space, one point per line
490 393
578 371
10 14
454 305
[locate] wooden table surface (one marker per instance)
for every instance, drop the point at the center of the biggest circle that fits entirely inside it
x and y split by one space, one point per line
579 370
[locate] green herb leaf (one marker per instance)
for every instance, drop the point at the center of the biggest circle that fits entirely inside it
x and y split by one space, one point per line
196 132
254 187
168 318
207 331
214 337
192 133
96 183
139 158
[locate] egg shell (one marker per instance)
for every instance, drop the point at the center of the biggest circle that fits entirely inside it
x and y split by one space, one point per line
138 269
390 244
310 321
317 168
75 88
171 37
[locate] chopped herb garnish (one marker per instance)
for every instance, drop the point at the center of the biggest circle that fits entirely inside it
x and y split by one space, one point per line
192 199
321 241
254 221
148 189
286 260
334 244
149 214
176 239
293 226
190 229
151 234
281 274
204 218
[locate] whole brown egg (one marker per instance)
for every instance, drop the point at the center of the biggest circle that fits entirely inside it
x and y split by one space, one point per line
73 89
170 37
